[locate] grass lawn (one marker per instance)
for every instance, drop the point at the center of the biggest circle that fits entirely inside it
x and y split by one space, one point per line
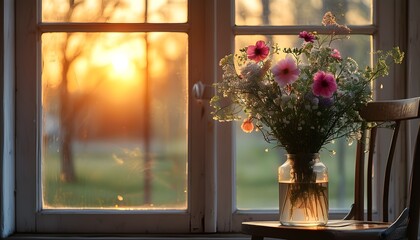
113 177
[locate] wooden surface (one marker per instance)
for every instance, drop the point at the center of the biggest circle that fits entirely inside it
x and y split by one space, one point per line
333 230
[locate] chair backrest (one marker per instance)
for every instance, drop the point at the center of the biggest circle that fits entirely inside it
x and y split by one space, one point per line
394 111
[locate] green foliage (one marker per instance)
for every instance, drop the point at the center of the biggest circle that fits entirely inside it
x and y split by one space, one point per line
104 183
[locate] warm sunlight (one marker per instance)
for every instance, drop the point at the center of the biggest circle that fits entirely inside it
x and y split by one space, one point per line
122 11
119 56
106 94
123 68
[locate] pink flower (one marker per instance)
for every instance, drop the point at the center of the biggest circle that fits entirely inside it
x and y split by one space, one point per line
308 36
258 52
285 71
324 84
336 54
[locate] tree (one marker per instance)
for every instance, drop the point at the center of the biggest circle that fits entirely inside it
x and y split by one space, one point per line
69 107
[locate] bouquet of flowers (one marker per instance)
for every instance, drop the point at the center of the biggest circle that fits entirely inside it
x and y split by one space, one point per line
301 102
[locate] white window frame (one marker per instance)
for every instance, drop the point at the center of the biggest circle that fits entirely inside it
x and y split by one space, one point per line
212 168
30 217
7 166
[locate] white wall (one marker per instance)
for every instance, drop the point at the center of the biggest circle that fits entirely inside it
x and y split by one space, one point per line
7 108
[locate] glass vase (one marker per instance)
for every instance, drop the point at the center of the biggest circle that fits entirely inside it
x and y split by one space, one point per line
303 191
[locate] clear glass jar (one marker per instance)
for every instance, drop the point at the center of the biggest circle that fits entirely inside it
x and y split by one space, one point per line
303 191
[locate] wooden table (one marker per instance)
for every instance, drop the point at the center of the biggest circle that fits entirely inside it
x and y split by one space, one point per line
335 229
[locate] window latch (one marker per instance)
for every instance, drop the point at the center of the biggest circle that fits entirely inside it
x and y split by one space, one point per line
201 91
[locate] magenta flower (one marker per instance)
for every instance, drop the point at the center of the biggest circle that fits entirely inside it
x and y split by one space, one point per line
336 54
258 52
285 71
307 36
324 84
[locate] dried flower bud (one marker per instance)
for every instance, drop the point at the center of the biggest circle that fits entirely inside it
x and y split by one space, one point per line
328 19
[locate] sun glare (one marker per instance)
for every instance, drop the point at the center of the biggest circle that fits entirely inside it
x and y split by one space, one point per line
121 64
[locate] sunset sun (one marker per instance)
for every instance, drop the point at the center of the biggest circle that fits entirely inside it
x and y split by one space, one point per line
122 67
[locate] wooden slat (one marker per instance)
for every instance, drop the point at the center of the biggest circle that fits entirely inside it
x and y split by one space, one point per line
359 180
370 173
388 172
393 110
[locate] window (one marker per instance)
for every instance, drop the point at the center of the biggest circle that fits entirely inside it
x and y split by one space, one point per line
254 171
338 156
104 117
113 90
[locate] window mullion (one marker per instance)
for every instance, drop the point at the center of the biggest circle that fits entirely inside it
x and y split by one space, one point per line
225 145
198 130
210 171
113 27
292 30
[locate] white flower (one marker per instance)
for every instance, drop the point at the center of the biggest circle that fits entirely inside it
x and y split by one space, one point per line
251 71
315 101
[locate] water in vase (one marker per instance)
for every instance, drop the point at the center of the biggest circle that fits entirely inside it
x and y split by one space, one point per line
303 204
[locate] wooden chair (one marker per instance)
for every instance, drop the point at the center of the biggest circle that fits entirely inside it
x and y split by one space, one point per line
354 226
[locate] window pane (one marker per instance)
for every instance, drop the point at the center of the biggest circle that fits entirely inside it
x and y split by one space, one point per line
257 161
114 131
301 12
125 11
